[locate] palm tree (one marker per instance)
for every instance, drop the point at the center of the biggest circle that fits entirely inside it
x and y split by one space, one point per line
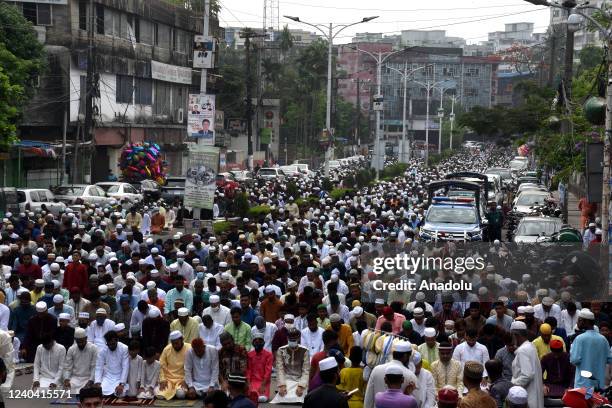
286 41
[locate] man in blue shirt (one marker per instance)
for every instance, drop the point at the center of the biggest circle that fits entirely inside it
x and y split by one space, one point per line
590 351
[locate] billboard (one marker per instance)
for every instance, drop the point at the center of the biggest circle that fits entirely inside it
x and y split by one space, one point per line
201 118
170 73
204 52
202 169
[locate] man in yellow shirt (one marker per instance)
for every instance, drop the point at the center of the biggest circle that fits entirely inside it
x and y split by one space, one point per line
188 326
345 334
172 368
542 343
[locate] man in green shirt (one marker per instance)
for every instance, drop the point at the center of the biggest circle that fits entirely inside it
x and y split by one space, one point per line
240 331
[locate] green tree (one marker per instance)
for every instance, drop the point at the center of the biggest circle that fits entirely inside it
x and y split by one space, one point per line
21 60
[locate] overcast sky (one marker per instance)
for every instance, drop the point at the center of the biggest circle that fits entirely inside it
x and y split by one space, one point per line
470 19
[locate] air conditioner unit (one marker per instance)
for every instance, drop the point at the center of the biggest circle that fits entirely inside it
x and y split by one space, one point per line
179 115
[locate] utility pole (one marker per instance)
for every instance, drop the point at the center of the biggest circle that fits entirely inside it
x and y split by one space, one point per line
452 119
247 35
91 88
205 32
553 58
605 199
358 114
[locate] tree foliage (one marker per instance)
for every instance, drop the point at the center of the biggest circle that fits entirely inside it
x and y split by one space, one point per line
21 60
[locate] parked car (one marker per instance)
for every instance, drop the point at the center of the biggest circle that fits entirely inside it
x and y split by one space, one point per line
35 199
120 191
81 194
174 188
524 202
271 173
536 229
242 176
291 170
150 190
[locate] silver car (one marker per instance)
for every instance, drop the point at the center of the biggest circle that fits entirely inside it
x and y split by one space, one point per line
82 194
34 199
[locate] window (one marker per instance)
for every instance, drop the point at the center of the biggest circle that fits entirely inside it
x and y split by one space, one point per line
37 14
155 34
125 89
472 72
471 92
44 14
449 71
143 92
161 104
99 19
145 32
83 15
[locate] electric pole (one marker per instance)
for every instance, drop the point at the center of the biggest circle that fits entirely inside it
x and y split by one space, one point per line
247 35
91 89
358 114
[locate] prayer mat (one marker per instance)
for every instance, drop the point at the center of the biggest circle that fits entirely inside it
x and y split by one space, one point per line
128 402
65 401
177 403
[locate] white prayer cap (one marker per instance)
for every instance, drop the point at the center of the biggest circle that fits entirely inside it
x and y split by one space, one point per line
548 301
358 311
416 357
102 289
328 364
151 285
141 261
155 250
58 298
41 306
80 333
310 269
131 276
56 284
517 395
518 325
403 346
379 301
54 266
418 311
175 335
528 310
291 284
183 311
153 312
39 283
255 261
394 369
267 260
269 289
214 299
334 318
420 296
154 272
334 278
222 264
101 311
83 315
429 332
520 310
583 314
289 316
180 254
64 316
119 327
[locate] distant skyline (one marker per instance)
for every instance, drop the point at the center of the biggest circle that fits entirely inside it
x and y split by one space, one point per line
469 19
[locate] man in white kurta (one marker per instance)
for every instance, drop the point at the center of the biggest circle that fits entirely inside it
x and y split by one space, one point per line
425 392
312 336
201 369
219 313
376 381
98 328
112 366
80 362
526 368
471 350
7 353
266 328
48 364
210 331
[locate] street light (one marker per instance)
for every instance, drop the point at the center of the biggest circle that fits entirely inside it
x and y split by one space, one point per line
329 35
405 74
380 60
574 22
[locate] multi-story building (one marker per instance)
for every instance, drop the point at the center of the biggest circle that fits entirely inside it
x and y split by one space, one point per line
301 38
513 34
142 52
582 37
431 38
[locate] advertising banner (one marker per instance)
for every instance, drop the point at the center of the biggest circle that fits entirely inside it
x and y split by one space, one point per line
202 169
170 73
203 52
201 118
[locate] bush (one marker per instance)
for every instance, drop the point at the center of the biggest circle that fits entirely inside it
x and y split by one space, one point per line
395 170
241 205
437 158
326 184
349 182
340 193
259 211
364 177
221 226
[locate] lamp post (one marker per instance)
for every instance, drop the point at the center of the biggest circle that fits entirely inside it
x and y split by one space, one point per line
380 60
452 119
329 35
405 153
573 24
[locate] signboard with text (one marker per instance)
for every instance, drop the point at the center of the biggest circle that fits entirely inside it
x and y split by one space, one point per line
201 118
170 73
204 52
200 180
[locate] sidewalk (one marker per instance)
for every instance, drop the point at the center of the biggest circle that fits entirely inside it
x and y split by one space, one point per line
573 214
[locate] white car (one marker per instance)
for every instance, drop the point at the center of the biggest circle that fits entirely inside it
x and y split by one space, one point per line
271 173
34 199
536 229
334 164
524 202
518 165
82 194
291 170
120 191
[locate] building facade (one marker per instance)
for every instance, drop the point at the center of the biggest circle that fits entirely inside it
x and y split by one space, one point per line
142 52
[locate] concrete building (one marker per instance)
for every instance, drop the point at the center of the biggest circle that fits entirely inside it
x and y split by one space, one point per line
431 38
143 58
583 37
513 34
301 38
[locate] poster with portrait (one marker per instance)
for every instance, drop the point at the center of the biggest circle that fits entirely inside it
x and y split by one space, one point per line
200 179
201 118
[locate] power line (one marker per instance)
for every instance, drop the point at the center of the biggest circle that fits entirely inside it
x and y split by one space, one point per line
401 10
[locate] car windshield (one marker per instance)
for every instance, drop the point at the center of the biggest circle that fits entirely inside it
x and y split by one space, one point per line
536 227
68 190
503 173
531 199
452 215
516 165
290 169
111 189
175 183
267 172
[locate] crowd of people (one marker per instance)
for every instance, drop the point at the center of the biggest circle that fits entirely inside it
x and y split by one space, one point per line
283 309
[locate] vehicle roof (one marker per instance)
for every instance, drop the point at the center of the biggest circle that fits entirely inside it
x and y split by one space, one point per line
32 189
74 185
541 219
533 192
111 183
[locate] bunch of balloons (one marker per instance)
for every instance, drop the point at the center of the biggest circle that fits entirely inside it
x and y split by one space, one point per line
523 150
141 162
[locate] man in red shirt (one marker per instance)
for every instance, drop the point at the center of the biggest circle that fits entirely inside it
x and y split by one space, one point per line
28 272
76 274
